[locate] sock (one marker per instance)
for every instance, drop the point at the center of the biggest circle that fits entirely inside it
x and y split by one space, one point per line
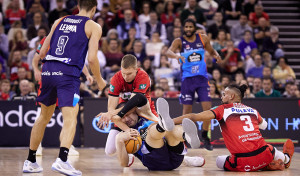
63 154
183 136
159 128
287 158
204 134
32 156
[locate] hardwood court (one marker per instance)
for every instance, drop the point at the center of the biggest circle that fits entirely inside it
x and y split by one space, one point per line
94 162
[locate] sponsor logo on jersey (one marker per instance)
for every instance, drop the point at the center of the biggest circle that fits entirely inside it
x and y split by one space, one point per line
142 86
187 47
68 28
199 45
195 57
112 88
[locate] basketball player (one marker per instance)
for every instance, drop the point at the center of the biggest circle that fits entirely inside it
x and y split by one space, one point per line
240 129
64 51
162 148
193 69
37 77
124 85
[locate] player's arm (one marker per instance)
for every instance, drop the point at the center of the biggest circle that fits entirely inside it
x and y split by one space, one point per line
210 49
203 116
35 67
120 146
176 44
87 74
95 32
46 44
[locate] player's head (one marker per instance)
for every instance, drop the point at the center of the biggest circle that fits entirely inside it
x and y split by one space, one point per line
88 6
131 118
233 94
129 67
189 27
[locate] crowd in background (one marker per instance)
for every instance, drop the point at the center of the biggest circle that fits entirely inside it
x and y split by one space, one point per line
239 30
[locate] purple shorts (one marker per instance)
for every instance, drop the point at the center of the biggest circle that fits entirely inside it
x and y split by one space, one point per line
58 86
194 84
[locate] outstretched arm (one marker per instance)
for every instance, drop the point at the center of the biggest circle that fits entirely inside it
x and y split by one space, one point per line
203 116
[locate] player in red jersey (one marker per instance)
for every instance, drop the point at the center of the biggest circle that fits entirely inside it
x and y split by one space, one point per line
240 126
129 83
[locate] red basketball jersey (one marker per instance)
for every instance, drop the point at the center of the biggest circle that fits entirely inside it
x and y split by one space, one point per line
240 127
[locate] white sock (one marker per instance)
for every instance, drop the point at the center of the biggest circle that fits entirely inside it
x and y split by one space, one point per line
287 159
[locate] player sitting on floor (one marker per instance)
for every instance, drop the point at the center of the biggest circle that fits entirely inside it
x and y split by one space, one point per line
240 128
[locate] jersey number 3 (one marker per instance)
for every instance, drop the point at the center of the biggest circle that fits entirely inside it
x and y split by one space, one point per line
249 126
61 44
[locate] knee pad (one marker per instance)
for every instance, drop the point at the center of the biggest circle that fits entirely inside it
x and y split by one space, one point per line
221 161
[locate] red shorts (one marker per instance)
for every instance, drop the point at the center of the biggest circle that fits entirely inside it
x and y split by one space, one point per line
253 161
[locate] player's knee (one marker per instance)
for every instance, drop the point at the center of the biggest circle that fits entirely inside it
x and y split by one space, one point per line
110 151
221 161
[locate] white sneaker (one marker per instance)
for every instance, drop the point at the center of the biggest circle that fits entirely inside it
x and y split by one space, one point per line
73 151
30 167
39 151
131 159
165 121
65 168
191 133
194 161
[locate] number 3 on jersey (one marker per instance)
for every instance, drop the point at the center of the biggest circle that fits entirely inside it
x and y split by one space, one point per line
247 120
61 44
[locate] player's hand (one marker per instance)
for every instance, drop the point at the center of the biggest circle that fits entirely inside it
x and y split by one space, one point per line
218 57
180 58
129 134
37 75
90 79
104 120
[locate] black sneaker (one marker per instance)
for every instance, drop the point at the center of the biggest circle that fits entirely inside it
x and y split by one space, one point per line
206 144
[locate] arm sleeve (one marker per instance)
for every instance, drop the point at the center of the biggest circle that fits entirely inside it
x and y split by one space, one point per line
142 83
137 100
218 111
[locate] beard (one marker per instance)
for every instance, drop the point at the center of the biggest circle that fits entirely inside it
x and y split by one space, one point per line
189 35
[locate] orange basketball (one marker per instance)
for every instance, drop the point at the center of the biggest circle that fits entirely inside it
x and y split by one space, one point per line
132 146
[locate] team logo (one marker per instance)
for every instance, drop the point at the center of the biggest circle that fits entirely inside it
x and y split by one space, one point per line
112 88
187 47
247 168
142 86
39 47
94 124
199 45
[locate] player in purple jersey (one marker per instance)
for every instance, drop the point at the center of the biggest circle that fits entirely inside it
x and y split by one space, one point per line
64 52
193 70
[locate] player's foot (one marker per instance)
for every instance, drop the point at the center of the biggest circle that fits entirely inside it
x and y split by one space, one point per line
30 167
288 148
191 133
206 144
275 165
131 159
73 151
39 151
194 161
165 120
65 168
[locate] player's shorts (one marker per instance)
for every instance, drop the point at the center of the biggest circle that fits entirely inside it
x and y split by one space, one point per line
56 85
165 158
253 161
194 84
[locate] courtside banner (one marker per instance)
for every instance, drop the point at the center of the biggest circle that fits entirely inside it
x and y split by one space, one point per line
282 116
17 119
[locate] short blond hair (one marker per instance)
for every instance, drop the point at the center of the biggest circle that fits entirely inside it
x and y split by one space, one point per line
128 61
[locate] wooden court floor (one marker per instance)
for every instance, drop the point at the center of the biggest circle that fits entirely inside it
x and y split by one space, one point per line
93 162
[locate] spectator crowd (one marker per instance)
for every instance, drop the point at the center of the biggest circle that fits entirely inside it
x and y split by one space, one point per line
240 30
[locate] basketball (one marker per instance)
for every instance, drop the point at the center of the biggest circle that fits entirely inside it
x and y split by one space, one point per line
132 146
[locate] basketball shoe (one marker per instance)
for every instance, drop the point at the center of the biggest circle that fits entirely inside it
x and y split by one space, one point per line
191 133
130 159
288 149
194 161
165 120
206 144
73 151
65 168
30 167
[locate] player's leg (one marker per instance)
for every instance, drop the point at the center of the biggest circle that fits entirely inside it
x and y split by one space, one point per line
187 94
110 146
146 112
72 150
36 137
204 98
